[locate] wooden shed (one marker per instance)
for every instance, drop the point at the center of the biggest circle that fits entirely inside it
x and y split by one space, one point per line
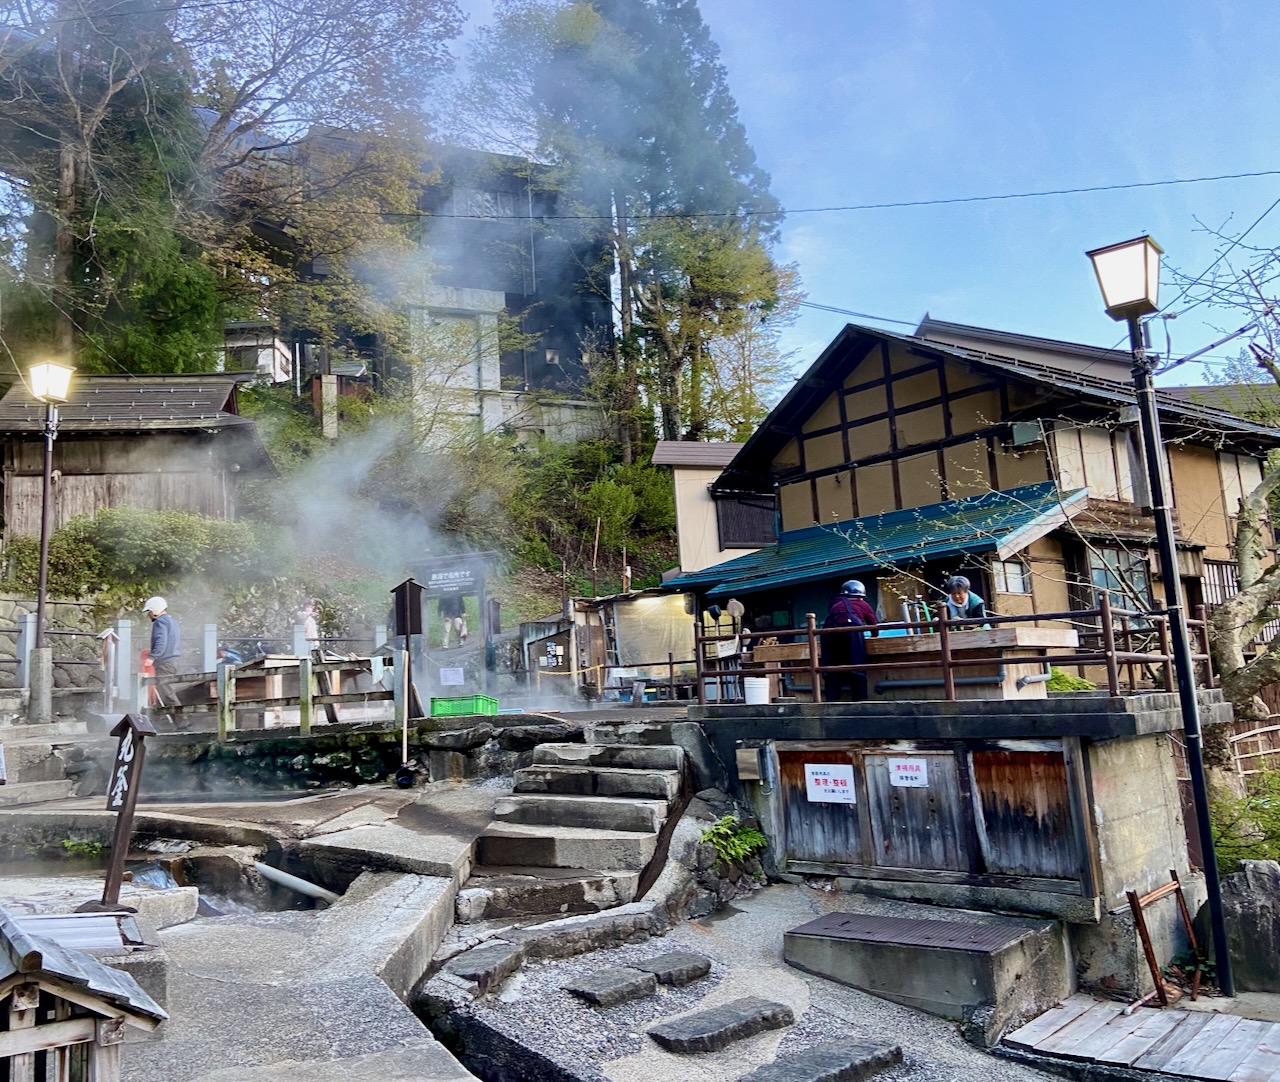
173 442
62 1013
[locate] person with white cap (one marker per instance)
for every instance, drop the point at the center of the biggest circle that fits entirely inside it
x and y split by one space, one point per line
166 648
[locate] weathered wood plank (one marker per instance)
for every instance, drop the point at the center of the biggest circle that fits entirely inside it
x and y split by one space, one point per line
1054 1019
1222 1059
1121 1026
1215 1030
1156 1026
1186 1032
1068 1040
1263 1063
50 1035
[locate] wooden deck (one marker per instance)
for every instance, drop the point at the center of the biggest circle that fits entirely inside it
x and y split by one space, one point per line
1191 1044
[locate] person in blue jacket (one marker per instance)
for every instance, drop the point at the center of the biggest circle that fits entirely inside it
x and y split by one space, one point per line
166 648
849 609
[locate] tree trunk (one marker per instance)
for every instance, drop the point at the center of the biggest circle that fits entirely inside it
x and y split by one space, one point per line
64 340
629 428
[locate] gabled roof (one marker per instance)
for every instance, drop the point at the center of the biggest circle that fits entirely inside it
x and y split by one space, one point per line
1248 400
750 466
1000 522
35 957
693 453
132 404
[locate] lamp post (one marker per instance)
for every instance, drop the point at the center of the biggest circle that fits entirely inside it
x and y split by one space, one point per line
49 383
1129 276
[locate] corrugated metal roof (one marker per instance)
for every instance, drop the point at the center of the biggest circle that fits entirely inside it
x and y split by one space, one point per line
22 953
117 403
692 453
984 523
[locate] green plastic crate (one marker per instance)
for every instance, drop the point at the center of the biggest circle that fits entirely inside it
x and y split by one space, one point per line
467 704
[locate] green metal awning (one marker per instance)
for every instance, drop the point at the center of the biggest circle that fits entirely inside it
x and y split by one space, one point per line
999 522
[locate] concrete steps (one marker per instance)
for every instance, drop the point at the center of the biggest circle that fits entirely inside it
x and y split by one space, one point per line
581 824
715 1028
497 893
608 781
565 847
16 794
598 813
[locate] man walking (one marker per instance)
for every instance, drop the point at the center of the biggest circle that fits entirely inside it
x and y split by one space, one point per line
166 648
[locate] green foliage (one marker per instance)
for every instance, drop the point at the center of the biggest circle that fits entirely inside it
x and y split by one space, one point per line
130 551
733 842
1247 828
1061 680
76 848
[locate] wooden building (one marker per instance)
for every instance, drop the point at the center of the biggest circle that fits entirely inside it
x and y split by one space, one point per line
173 442
63 1014
887 427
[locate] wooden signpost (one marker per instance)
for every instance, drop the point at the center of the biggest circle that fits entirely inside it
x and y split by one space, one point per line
122 798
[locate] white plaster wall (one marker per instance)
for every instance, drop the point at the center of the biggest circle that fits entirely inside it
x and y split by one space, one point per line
696 529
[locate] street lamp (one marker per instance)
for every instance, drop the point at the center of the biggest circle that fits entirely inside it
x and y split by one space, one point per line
1129 276
49 383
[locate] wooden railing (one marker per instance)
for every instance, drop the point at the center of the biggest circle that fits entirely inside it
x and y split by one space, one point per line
1112 640
314 690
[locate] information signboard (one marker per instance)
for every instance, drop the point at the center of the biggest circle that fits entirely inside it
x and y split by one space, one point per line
909 773
829 783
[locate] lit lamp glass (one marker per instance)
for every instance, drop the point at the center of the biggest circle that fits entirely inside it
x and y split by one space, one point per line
1129 277
50 381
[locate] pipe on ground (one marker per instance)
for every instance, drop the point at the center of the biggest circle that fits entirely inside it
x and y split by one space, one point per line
284 879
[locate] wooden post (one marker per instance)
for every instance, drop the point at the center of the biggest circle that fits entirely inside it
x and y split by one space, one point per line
1109 642
1166 648
23 1004
1202 615
699 660
122 798
304 696
944 650
815 679
671 676
226 700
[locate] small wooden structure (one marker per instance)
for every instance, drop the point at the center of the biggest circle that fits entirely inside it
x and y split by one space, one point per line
62 1013
173 442
1020 679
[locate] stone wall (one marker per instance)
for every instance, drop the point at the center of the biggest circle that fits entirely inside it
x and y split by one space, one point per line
59 616
192 764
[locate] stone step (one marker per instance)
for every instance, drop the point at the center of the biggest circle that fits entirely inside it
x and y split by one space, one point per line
1009 967
31 760
832 1061
594 812
676 968
488 965
715 1028
565 847
660 757
613 985
34 792
598 781
496 893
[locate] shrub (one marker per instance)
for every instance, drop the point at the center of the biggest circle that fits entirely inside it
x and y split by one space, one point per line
1061 680
733 842
1247 828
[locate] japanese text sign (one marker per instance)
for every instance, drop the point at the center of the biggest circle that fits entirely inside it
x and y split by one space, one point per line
829 783
909 773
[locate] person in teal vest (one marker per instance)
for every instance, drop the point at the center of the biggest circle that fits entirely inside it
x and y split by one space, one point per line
964 604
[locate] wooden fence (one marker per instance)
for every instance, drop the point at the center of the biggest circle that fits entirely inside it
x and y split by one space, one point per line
1133 648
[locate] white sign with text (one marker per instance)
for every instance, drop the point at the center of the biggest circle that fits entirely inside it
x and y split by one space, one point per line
453 677
909 773
829 783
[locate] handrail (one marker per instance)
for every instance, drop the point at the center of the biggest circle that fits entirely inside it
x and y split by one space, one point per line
1119 648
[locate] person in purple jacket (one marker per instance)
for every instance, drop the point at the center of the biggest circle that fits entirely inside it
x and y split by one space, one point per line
849 608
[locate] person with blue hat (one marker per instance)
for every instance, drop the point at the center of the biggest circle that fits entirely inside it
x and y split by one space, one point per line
848 609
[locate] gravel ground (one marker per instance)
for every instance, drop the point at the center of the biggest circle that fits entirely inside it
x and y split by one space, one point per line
744 943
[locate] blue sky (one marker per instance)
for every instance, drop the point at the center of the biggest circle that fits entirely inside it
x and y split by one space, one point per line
871 101
867 101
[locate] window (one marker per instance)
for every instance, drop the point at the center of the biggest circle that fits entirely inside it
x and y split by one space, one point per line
1124 575
1222 581
477 203
745 522
1012 577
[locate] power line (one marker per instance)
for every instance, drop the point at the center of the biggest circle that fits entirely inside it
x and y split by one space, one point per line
748 212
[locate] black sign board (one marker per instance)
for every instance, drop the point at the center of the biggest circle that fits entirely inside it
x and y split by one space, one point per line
122 797
463 574
407 608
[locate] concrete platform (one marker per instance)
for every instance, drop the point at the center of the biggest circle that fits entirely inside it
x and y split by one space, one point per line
987 973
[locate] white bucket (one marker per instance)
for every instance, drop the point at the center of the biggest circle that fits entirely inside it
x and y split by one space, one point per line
755 689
